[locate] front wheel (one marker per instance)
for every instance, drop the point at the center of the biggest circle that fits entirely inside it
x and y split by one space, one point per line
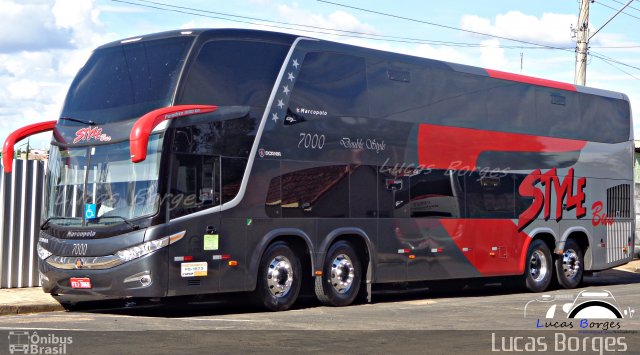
570 265
341 276
278 277
538 268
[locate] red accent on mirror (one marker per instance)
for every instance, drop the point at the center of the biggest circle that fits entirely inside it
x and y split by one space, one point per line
143 127
18 135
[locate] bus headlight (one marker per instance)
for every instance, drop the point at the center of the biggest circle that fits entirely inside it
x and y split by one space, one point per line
42 252
143 249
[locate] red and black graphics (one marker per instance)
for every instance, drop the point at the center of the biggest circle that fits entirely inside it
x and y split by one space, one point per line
443 147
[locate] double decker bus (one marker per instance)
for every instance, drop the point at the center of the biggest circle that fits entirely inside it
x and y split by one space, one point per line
217 161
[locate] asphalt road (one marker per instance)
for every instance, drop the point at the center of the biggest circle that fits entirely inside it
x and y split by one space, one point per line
482 319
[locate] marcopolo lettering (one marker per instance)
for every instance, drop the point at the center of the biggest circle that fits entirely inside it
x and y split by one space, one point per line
81 234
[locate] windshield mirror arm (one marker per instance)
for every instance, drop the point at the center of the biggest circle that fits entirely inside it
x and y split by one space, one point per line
139 137
18 135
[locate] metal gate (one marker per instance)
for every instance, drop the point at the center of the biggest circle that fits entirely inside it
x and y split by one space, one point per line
21 206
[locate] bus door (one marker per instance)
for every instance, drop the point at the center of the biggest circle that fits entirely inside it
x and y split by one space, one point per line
195 187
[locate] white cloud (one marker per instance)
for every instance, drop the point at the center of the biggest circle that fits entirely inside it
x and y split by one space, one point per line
492 55
23 90
550 29
42 46
336 20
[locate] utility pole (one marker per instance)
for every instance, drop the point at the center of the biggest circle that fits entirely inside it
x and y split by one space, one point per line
582 43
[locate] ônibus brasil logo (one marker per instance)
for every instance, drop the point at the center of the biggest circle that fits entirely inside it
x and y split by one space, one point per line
25 342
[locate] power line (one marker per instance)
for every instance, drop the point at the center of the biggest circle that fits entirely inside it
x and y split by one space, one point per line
621 3
617 68
442 26
342 33
602 56
614 9
356 34
283 25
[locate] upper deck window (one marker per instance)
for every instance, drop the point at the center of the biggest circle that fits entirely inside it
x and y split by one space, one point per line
233 73
127 81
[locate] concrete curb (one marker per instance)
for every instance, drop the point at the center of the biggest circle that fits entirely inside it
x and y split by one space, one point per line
29 308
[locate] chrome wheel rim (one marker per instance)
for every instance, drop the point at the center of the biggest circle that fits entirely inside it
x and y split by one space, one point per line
279 276
570 264
538 266
342 273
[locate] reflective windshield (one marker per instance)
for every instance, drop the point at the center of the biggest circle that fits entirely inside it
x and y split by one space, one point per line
127 81
102 182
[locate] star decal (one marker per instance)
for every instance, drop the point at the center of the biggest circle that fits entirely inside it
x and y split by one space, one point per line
280 103
274 117
295 63
285 89
291 77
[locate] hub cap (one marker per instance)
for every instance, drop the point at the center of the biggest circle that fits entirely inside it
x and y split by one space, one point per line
538 266
570 263
279 276
342 273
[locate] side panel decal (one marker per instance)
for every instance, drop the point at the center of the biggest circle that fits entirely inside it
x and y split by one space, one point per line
440 146
489 236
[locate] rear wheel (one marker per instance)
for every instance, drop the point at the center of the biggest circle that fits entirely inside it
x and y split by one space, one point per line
278 277
539 267
570 265
341 276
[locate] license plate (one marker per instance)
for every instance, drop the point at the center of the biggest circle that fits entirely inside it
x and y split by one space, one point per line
80 282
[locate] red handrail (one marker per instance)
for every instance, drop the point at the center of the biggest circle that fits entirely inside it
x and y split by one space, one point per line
18 135
139 137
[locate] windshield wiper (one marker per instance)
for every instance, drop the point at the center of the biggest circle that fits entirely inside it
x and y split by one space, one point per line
129 223
89 122
45 224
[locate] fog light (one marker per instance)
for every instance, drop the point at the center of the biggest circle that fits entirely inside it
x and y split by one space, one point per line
43 279
144 278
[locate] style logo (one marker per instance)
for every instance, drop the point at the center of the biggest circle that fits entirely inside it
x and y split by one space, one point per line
261 152
564 192
91 133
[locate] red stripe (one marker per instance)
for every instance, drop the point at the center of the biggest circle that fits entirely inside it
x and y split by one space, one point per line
442 147
483 234
530 80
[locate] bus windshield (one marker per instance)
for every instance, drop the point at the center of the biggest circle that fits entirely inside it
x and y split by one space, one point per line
126 81
103 176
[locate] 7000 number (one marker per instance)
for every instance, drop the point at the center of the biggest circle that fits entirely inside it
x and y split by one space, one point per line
311 141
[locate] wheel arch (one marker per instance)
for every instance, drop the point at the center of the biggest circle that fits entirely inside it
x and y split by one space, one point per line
547 235
581 236
355 235
299 240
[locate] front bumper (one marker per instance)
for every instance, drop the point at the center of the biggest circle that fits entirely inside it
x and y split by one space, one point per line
124 280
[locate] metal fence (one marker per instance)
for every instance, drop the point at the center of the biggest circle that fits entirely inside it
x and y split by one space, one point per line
21 203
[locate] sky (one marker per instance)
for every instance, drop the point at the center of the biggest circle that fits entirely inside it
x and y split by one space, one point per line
44 43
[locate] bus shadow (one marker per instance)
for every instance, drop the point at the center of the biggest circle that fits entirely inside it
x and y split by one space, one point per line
219 305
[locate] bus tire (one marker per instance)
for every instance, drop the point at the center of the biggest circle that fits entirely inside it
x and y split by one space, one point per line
570 265
538 267
341 276
279 277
